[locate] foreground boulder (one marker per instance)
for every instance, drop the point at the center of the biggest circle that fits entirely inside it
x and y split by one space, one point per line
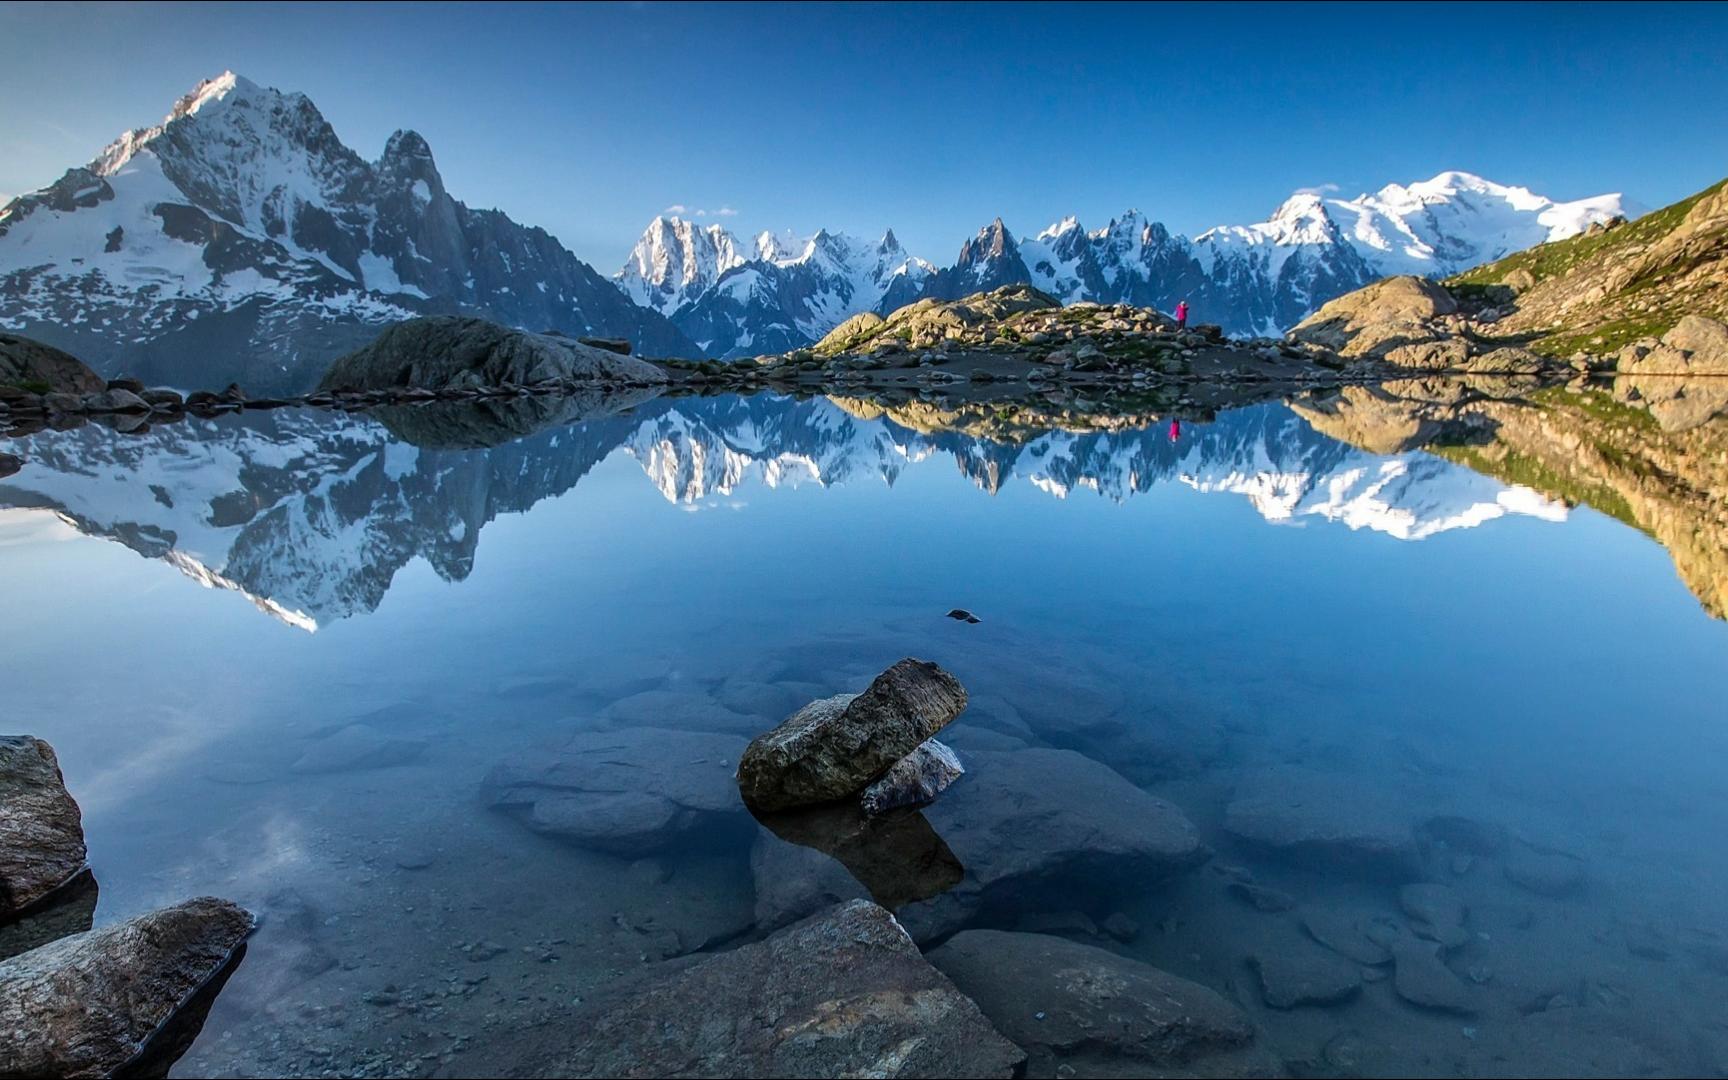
440 351
44 369
41 830
1080 1010
125 999
833 748
627 792
843 994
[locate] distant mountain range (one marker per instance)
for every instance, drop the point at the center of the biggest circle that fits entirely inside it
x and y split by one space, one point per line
1251 279
310 514
241 240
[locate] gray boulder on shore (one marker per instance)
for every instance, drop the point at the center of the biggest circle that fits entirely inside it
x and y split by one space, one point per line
440 351
833 748
127 999
41 829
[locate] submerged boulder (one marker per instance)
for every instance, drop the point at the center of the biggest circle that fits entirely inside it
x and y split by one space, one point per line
43 369
1081 1010
627 792
1025 826
1028 824
833 748
126 999
1313 817
439 351
844 993
41 829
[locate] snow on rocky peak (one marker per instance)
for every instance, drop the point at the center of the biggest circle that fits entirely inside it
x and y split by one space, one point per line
675 261
240 240
790 292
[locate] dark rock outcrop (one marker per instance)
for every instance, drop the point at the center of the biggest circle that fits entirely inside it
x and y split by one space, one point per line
44 369
833 748
127 999
842 994
440 351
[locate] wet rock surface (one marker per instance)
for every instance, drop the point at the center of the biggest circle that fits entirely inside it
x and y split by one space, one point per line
126 997
844 993
832 748
629 792
1079 1010
41 829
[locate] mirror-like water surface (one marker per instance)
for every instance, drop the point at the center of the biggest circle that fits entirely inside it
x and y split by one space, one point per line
1359 643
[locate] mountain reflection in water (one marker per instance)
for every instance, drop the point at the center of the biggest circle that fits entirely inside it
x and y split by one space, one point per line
311 514
1222 706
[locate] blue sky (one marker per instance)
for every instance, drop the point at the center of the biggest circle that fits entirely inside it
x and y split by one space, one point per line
932 119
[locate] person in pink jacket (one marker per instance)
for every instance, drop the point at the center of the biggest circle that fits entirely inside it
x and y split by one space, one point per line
1181 314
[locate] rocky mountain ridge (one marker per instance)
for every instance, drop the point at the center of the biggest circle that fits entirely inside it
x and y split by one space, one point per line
1251 280
241 240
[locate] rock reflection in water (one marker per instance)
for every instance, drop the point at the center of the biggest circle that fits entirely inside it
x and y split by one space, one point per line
896 858
70 909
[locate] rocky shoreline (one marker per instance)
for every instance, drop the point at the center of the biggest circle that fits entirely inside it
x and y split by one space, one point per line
1010 343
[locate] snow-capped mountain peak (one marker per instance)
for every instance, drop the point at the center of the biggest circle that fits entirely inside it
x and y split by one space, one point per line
675 261
241 240
795 288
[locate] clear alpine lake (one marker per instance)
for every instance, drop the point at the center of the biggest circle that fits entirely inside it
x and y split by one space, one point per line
283 656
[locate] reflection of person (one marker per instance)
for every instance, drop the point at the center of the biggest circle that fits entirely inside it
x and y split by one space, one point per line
1175 429
1181 314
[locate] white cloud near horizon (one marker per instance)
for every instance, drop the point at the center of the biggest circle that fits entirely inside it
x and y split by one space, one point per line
1319 189
688 211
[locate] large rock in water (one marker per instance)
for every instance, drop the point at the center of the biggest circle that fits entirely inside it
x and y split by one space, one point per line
440 351
41 830
125 999
843 994
45 369
626 792
1377 318
833 748
1080 1010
